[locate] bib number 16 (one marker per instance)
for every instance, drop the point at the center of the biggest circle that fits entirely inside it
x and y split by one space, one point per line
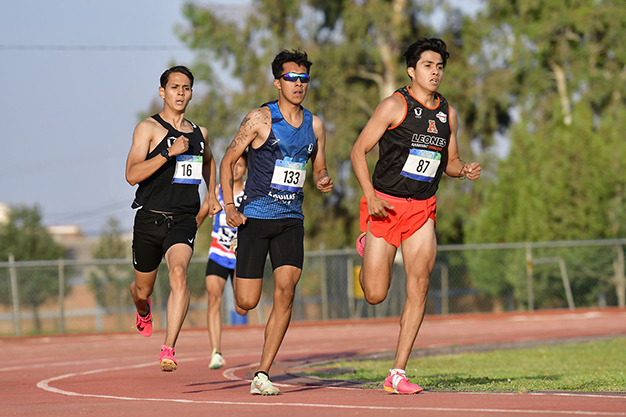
188 169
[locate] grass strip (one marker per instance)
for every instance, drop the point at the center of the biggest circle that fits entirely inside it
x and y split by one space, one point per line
597 366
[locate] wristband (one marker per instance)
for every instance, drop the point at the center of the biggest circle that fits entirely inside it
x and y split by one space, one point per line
228 204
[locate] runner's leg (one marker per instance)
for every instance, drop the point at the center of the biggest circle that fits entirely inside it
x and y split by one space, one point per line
177 258
375 275
419 252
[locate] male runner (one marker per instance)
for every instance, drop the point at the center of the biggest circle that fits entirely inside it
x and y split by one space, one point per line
281 136
221 263
415 129
168 158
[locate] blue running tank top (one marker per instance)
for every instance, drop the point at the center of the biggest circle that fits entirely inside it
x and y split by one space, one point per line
277 169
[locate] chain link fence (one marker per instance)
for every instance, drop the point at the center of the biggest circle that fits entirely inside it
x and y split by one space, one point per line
69 296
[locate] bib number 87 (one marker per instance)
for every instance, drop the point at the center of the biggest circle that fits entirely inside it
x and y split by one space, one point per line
422 165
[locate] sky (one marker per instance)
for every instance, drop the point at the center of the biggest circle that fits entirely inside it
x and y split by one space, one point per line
68 113
77 74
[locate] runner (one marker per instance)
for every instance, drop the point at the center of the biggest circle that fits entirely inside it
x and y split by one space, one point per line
281 136
168 158
415 129
221 263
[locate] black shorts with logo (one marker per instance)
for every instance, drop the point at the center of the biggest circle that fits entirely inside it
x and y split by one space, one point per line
154 233
283 238
213 268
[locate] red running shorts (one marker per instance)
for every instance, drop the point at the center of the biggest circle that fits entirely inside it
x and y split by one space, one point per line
407 217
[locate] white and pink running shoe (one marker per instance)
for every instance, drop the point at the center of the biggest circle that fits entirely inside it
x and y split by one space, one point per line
398 382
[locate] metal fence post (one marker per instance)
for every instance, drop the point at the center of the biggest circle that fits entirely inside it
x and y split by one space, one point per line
444 288
529 278
566 284
620 279
17 319
324 283
62 294
350 279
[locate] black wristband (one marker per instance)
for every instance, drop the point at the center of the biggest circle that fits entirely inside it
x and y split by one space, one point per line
228 204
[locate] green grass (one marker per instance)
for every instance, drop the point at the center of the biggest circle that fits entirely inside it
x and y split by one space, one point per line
587 367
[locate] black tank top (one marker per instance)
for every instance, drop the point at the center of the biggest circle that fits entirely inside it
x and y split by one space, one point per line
414 154
158 192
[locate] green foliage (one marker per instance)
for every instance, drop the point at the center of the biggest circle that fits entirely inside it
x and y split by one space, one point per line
548 76
356 49
562 178
25 238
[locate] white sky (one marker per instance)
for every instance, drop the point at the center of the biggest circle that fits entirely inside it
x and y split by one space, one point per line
68 115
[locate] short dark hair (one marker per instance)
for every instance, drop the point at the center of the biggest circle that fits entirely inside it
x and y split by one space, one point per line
244 155
300 58
178 68
414 52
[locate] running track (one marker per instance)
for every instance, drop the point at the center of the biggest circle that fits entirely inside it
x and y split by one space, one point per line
118 374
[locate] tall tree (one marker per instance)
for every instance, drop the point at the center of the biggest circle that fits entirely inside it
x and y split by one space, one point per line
566 66
356 49
25 238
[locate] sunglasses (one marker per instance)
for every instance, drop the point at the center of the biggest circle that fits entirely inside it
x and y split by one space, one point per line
294 76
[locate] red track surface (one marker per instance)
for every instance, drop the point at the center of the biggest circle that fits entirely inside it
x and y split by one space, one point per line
118 374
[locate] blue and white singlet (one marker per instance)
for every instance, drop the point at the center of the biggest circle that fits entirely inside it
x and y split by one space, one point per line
277 169
223 235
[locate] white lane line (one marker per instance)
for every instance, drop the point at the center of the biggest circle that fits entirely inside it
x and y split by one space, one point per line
45 385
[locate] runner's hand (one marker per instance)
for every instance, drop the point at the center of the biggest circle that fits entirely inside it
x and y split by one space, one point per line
214 206
233 217
179 146
377 207
325 184
471 171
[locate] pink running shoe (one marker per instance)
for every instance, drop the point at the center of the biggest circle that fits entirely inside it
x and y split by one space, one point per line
144 324
166 359
360 244
399 383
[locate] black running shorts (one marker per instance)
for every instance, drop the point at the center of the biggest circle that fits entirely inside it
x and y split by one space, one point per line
213 268
283 238
155 233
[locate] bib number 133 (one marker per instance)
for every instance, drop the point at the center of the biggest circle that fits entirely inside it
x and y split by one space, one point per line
289 176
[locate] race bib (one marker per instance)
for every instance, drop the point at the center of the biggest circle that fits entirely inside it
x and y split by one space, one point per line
188 169
421 165
289 176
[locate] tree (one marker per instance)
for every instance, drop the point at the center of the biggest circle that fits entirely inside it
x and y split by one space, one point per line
356 48
25 238
563 178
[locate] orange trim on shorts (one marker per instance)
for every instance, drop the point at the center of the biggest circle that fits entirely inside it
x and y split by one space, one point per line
406 218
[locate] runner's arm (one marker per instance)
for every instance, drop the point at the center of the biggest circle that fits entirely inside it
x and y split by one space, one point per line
204 209
320 172
388 113
456 168
254 122
209 173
